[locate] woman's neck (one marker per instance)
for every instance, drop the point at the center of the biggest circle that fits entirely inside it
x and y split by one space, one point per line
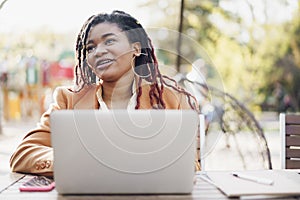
117 94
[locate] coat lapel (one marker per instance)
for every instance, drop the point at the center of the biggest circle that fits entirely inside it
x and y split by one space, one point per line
86 98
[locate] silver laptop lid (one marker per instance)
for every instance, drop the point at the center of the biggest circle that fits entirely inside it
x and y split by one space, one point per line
124 151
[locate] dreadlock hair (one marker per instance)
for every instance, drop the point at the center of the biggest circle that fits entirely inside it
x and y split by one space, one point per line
147 60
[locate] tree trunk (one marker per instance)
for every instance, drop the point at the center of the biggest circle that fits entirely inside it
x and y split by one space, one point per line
180 27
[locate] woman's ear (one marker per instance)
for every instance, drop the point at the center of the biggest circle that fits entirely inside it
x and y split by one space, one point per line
137 48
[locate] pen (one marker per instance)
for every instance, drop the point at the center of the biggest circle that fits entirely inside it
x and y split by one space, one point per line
253 178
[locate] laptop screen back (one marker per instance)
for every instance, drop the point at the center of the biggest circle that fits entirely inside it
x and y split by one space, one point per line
124 151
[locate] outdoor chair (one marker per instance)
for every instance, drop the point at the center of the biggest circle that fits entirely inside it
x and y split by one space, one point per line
290 140
201 144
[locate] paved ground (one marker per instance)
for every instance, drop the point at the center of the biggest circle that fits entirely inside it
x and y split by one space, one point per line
219 159
12 134
224 158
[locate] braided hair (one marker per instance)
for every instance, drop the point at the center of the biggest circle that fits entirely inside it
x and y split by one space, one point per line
147 60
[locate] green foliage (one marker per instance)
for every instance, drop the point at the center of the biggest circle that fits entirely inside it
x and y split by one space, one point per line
250 53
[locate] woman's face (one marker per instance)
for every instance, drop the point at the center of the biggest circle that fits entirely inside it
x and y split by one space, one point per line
109 52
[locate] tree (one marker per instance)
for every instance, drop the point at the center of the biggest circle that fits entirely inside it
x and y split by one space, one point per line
245 49
288 64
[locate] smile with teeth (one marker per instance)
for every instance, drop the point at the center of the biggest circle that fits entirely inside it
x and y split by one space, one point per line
101 64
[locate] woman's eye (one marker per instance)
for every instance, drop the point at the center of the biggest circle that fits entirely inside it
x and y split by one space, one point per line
90 49
109 41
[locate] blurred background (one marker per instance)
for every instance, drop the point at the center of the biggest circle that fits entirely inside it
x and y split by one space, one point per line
251 47
254 45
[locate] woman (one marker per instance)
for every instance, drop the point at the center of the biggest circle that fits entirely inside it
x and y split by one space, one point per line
116 68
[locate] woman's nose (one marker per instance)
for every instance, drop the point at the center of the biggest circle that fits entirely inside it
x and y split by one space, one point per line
100 50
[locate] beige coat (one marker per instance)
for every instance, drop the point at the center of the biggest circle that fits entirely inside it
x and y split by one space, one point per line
35 154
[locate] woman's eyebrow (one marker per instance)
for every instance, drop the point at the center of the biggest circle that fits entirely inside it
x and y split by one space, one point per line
103 37
107 35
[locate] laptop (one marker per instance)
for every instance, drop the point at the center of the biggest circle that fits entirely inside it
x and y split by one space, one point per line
124 151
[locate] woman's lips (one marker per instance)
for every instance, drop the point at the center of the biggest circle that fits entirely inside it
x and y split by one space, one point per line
102 64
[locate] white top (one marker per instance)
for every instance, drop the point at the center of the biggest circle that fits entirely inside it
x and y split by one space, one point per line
131 104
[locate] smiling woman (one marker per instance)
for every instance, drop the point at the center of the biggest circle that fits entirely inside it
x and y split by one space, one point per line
109 52
116 68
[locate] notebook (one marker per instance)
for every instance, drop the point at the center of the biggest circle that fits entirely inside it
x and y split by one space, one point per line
124 151
255 183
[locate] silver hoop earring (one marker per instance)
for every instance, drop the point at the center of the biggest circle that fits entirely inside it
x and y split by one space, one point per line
139 54
138 70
